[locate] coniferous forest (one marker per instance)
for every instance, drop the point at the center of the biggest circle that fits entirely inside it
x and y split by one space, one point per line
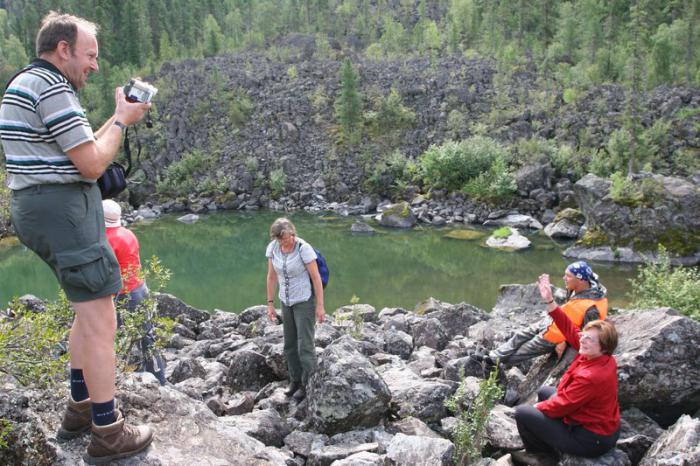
640 43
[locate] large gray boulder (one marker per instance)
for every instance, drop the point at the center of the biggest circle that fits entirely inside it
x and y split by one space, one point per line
501 430
411 450
265 425
514 220
429 332
672 219
398 216
417 397
174 418
249 371
614 457
457 319
533 176
346 391
173 307
658 363
679 445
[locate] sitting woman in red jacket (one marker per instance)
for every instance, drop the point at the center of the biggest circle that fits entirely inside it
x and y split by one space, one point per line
581 417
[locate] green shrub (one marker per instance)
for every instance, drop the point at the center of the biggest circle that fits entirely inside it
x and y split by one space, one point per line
660 285
390 175
471 425
634 193
452 164
130 333
494 185
278 182
239 106
456 123
179 177
5 431
389 114
30 342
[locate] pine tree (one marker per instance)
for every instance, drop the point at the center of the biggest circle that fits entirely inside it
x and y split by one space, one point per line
348 106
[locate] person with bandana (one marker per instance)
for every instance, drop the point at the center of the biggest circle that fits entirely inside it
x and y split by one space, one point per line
586 301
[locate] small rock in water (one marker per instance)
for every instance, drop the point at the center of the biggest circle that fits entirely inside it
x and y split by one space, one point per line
189 218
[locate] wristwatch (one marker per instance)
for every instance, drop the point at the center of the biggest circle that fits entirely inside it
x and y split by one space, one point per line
121 125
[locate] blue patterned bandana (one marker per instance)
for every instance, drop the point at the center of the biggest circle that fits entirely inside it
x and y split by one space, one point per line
583 271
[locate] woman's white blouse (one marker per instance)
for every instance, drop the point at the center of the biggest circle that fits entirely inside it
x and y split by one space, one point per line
292 276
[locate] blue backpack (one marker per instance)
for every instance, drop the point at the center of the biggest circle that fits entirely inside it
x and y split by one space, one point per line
322 266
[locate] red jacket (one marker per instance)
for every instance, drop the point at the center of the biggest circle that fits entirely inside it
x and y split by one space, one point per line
587 392
126 248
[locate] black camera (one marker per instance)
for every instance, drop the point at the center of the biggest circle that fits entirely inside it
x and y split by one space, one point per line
139 91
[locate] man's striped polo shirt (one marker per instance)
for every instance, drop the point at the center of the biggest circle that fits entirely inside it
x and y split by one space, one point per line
40 119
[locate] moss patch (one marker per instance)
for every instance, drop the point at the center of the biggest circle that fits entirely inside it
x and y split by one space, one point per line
676 241
502 233
401 209
593 238
8 242
573 215
465 234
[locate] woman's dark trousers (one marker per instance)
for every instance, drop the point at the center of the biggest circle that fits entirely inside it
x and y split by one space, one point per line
298 323
542 434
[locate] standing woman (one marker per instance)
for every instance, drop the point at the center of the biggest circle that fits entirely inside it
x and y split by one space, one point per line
582 416
291 264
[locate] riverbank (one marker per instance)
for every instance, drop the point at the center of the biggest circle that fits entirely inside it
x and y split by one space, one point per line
224 401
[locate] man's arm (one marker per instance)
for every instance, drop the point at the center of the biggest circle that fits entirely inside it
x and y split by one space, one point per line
93 157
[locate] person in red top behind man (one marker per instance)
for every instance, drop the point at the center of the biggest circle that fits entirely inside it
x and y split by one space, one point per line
582 416
126 248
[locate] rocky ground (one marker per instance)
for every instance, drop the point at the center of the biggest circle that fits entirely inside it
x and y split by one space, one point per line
378 397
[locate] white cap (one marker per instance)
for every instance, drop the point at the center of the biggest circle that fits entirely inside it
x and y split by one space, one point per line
113 213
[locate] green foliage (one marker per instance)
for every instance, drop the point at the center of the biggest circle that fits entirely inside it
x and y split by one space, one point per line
494 185
390 175
453 165
30 342
180 178
633 193
278 182
389 115
292 72
660 285
133 323
348 105
456 123
470 431
6 429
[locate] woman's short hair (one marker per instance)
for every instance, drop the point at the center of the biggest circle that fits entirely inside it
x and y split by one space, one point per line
56 27
607 334
281 227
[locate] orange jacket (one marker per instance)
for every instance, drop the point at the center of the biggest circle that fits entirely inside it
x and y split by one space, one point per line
576 311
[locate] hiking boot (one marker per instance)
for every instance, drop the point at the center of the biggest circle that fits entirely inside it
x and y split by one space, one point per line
76 420
299 394
293 387
117 440
533 459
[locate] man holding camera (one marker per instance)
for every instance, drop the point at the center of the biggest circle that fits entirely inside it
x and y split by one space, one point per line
53 159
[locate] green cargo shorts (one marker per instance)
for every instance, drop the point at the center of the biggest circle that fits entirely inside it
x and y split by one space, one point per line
64 225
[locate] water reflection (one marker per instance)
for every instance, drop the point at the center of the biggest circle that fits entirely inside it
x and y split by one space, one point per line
220 262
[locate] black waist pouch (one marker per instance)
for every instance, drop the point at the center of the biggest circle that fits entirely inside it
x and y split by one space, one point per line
113 181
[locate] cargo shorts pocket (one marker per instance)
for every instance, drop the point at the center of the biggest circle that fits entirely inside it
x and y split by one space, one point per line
89 268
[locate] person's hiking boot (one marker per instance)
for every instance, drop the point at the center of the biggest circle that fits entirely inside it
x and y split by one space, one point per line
76 420
533 459
117 440
300 394
294 386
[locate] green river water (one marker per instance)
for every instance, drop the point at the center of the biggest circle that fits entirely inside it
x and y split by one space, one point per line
219 263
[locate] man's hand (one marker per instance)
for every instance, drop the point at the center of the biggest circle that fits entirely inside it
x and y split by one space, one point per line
320 314
127 112
545 288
